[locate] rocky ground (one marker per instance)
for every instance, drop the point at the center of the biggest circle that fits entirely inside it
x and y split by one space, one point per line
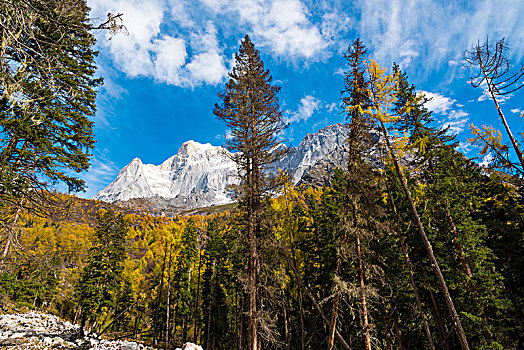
35 330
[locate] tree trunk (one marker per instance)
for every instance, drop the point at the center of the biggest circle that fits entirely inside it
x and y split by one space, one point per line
302 326
389 345
195 332
168 295
313 300
208 326
242 323
184 329
399 333
438 319
175 324
287 335
299 293
463 261
443 286
465 265
252 284
135 327
11 231
159 297
417 296
334 310
410 270
435 309
365 322
236 321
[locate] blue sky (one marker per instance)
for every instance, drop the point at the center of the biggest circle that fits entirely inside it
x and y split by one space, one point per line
162 80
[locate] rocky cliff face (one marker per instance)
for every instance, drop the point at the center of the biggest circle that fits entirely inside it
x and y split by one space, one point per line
199 174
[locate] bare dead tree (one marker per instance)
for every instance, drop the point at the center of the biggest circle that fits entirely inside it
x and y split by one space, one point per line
490 66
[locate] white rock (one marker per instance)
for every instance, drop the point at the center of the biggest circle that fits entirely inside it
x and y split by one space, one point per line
128 346
191 346
40 331
57 341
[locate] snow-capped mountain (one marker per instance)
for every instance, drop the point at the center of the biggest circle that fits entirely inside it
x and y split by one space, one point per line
199 174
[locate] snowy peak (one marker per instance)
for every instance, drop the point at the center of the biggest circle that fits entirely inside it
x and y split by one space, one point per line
197 173
190 147
200 174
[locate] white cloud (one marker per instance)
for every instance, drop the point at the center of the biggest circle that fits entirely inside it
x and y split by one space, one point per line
464 147
486 160
283 26
516 111
487 96
390 27
333 27
207 65
307 107
176 58
435 32
428 33
455 118
340 72
437 102
456 121
169 55
179 11
407 53
331 107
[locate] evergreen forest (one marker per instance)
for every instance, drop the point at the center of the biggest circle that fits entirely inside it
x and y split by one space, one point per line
409 245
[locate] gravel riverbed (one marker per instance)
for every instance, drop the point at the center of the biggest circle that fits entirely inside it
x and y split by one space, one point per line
36 330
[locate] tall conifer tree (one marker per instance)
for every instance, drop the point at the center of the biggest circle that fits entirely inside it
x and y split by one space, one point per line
250 109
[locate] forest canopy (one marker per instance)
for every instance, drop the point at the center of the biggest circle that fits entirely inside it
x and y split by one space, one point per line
408 245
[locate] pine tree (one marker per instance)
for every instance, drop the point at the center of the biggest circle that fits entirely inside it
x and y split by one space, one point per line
361 214
214 281
100 279
48 94
47 97
250 109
